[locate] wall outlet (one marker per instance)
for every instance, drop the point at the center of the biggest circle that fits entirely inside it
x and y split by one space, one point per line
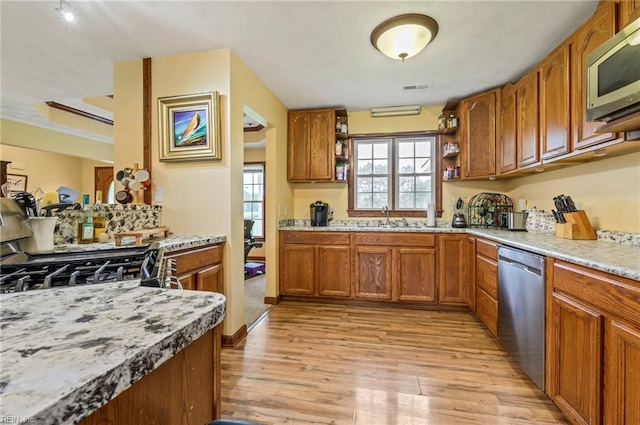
158 195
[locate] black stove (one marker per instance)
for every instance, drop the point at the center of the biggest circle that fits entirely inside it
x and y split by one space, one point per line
23 271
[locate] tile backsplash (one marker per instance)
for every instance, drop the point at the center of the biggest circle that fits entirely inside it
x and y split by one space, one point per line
120 218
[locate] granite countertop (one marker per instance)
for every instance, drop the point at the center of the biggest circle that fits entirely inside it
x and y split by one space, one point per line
611 257
170 244
66 352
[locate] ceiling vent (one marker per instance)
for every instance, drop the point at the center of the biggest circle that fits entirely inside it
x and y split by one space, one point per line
417 87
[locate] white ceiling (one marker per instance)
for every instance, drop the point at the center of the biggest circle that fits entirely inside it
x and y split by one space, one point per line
309 53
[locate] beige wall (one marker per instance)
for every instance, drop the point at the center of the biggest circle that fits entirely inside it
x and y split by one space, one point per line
49 171
15 133
205 197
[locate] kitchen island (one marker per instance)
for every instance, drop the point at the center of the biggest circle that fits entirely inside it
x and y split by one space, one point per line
67 352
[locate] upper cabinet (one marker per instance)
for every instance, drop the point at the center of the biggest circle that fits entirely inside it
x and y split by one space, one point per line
528 127
555 103
596 31
629 10
312 145
507 134
478 134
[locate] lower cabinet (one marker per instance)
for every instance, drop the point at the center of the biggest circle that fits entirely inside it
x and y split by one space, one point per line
315 263
200 268
385 266
486 283
593 345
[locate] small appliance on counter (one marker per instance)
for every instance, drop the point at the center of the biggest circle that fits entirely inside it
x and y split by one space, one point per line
319 212
458 220
513 220
486 209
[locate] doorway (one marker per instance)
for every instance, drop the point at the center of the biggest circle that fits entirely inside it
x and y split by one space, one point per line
103 182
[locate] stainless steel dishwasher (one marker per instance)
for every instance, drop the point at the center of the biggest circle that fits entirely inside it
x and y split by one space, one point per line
521 310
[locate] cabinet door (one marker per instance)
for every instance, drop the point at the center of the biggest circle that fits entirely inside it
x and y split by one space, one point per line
187 281
528 134
622 374
297 276
487 311
479 122
210 279
575 361
298 146
507 138
333 274
471 291
555 107
373 272
593 33
321 144
628 11
415 274
453 269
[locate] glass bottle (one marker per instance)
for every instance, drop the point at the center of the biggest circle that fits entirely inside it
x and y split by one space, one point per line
99 215
442 122
85 222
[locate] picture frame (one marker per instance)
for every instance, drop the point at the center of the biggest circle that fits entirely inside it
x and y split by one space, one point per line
17 182
189 127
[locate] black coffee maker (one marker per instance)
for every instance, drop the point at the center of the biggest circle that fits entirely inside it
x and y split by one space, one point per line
319 213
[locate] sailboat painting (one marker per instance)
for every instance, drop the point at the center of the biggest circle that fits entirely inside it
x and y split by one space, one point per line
189 127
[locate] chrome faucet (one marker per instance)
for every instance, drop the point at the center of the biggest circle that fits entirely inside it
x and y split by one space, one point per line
385 210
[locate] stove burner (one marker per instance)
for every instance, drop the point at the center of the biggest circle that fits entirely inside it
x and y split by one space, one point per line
42 271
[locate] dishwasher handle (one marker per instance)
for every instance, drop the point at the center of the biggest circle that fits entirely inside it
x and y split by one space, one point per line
521 266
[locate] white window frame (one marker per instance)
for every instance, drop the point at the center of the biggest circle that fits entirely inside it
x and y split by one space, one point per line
256 167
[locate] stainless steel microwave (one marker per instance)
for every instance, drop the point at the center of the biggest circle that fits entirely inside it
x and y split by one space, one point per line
613 76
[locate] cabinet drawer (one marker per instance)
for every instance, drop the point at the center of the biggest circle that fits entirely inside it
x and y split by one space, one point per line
187 261
487 311
616 295
316 238
487 248
487 275
395 239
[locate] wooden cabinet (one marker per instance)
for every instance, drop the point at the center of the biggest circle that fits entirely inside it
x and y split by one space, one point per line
471 290
555 105
628 11
398 267
486 283
508 134
315 264
528 127
200 268
311 145
593 345
453 269
592 34
575 362
478 134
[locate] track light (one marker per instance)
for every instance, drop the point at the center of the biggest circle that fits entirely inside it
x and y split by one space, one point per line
394 111
65 11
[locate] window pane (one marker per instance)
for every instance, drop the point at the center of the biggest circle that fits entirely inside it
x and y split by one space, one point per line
365 150
407 184
256 231
422 199
423 149
405 166
257 210
380 200
423 165
257 178
381 150
364 201
365 184
380 166
423 183
257 193
405 150
365 166
247 178
406 200
247 211
380 184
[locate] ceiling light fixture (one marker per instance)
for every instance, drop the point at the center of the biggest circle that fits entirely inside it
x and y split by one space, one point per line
404 36
65 11
394 111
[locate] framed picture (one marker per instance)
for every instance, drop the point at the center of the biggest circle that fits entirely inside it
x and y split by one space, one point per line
189 127
17 182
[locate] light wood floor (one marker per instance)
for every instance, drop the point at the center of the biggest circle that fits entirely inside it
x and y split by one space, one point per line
330 364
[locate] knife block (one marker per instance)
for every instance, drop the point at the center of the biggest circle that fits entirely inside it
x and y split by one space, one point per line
576 227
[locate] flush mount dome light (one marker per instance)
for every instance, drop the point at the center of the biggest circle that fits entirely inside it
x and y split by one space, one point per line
404 36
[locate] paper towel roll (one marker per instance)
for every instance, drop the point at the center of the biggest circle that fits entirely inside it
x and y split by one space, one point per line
431 215
522 205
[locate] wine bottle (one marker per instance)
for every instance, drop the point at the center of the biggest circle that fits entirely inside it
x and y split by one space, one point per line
99 215
85 223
